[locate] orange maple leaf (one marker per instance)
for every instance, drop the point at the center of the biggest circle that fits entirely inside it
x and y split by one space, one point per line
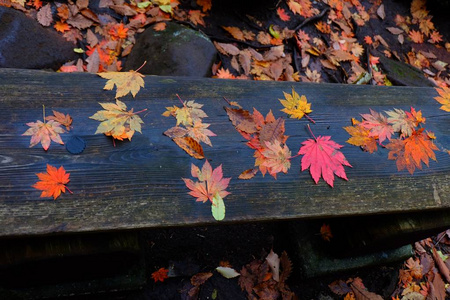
368 40
416 36
435 37
205 4
160 275
444 98
61 26
325 232
44 133
224 74
161 26
53 182
196 17
117 32
235 32
412 151
414 267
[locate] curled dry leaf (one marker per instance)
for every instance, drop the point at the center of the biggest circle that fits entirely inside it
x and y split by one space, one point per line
191 146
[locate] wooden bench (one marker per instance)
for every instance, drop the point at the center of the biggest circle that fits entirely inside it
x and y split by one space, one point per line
138 185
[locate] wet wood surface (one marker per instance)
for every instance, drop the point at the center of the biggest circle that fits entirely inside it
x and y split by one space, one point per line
138 184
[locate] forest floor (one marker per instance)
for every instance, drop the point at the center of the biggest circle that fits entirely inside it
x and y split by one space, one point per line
323 41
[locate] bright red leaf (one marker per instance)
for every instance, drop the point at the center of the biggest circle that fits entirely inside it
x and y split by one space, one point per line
160 275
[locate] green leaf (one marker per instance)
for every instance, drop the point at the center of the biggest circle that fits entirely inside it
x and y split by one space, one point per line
166 8
218 208
144 4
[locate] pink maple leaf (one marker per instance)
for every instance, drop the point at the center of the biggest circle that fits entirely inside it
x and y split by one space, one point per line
323 159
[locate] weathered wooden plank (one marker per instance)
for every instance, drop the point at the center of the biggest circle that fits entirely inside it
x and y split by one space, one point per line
138 184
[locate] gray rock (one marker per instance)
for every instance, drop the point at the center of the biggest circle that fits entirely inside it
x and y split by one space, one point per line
25 44
176 51
400 73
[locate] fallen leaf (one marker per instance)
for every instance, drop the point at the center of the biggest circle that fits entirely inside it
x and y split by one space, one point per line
117 121
248 174
380 12
360 137
205 4
53 182
378 125
65 120
61 26
400 122
295 106
211 182
191 146
227 49
325 232
416 36
228 272
125 82
414 268
412 151
44 133
274 263
241 119
160 275
444 98
276 158
322 157
283 15
44 15
235 32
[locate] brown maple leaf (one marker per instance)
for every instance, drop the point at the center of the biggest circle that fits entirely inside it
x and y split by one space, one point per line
65 120
276 158
53 182
414 267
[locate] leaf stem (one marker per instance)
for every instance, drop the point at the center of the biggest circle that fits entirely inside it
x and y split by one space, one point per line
138 112
226 100
137 70
181 100
43 112
69 190
309 128
311 120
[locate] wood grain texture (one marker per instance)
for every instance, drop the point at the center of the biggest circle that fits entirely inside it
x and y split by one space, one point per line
138 184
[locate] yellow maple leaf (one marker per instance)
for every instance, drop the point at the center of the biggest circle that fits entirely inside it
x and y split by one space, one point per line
125 82
296 106
444 99
116 121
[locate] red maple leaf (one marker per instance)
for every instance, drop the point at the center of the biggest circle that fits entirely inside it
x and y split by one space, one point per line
282 14
323 159
160 275
211 182
53 182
